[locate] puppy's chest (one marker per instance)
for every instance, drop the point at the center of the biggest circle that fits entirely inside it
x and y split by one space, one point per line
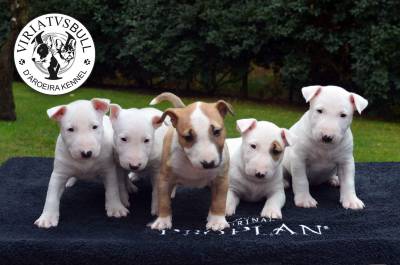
89 170
322 158
250 191
185 174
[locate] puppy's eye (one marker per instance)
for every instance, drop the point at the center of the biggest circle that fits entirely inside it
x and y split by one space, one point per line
253 146
319 111
216 132
123 139
146 140
188 137
343 115
95 127
70 129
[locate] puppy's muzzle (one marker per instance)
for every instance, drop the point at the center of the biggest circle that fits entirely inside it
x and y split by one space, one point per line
208 164
87 154
260 175
327 139
134 167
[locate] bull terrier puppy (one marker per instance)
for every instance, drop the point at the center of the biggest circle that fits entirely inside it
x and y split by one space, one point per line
138 139
255 169
83 150
195 155
324 151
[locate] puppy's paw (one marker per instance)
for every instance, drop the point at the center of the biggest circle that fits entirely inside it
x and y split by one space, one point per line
334 181
47 220
230 209
216 222
305 200
271 212
162 223
286 184
352 202
132 188
173 193
116 209
70 182
133 176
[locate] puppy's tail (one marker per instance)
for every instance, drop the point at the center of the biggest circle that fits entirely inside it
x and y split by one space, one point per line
167 96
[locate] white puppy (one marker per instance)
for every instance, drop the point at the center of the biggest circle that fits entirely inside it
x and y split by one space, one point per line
324 151
255 169
83 150
138 140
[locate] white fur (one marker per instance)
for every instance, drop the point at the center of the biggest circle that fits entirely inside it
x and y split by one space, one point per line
246 162
216 222
138 142
81 115
313 161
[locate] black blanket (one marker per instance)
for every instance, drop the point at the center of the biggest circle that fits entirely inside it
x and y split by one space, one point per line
328 234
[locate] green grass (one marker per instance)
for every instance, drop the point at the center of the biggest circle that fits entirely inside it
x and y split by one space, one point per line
33 134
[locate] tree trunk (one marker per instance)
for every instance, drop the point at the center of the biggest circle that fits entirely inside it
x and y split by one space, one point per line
244 88
18 11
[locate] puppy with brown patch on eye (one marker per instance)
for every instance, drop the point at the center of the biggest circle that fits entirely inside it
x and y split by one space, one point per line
256 170
194 155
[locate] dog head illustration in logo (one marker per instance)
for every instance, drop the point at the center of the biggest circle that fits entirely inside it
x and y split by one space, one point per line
53 55
68 49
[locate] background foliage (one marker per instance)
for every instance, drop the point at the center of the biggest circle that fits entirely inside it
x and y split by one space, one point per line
213 46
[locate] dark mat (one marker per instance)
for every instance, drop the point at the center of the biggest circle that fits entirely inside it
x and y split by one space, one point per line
326 235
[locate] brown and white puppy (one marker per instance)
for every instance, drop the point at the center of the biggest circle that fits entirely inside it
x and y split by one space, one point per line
194 155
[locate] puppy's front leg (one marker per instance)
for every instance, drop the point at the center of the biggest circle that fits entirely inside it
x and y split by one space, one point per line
273 205
164 219
301 187
113 205
154 195
51 210
232 201
122 186
216 217
348 196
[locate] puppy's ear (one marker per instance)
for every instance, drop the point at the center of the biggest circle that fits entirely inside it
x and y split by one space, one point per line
156 121
309 92
358 102
56 113
101 104
115 109
224 108
172 114
288 138
245 125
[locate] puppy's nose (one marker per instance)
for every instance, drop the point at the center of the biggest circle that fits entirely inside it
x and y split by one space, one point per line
33 59
208 164
135 167
327 138
260 175
86 154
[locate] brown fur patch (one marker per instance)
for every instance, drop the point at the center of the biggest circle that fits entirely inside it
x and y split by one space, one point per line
184 126
276 150
219 189
164 180
216 120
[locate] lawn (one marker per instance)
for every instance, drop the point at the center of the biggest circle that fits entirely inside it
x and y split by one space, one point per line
33 134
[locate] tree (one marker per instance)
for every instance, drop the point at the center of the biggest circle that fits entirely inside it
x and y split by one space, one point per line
18 15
